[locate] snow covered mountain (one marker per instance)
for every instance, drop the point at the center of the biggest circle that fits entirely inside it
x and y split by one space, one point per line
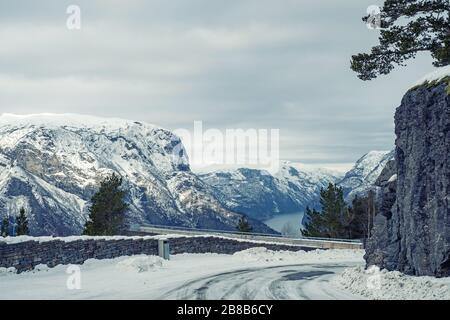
260 195
52 164
364 173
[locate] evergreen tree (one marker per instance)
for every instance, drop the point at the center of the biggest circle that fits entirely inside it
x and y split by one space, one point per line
331 222
334 210
244 225
108 209
407 28
315 225
337 220
357 228
22 223
4 230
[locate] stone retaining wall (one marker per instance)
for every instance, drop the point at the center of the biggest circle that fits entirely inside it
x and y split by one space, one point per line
24 256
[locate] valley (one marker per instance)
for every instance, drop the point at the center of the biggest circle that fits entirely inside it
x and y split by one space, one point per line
51 165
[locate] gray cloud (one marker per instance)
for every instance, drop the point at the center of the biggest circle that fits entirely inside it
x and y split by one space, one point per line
249 63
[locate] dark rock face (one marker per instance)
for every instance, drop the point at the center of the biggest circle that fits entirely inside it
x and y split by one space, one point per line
382 248
412 229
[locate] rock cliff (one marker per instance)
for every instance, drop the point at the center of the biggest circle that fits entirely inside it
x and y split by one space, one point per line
411 232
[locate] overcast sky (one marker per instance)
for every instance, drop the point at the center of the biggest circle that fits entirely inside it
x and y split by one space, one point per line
231 64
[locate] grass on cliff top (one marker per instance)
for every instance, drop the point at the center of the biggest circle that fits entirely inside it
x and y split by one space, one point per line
434 83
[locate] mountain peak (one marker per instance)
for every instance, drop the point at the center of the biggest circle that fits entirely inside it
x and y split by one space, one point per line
365 172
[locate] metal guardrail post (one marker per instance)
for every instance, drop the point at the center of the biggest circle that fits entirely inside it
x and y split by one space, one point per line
164 249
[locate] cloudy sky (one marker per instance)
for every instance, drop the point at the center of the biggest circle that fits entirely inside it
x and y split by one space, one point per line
231 64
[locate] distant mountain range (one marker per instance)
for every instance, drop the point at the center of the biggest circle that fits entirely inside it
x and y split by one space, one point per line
51 165
261 195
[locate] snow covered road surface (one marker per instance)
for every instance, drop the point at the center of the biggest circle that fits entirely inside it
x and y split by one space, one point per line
256 273
292 282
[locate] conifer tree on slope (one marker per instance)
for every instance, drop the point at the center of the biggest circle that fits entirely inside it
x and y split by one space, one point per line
337 219
333 218
407 28
4 229
107 214
244 225
316 225
22 223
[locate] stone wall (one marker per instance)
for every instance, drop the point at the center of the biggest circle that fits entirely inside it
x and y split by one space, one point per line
24 256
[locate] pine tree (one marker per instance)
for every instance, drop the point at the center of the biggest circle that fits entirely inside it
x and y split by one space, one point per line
337 220
107 214
22 223
315 225
4 230
407 28
331 221
244 225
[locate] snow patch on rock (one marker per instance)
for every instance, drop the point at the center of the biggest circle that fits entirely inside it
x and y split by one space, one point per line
436 75
20 239
393 178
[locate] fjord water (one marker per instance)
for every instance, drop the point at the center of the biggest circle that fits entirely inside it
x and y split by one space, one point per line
286 223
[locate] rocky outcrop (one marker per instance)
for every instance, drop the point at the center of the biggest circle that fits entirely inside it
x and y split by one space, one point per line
411 232
382 249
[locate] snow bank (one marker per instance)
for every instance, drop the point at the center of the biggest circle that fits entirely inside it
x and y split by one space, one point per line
262 254
436 75
374 283
265 255
6 271
141 263
20 239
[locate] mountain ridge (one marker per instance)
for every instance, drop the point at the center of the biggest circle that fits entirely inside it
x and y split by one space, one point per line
293 187
51 164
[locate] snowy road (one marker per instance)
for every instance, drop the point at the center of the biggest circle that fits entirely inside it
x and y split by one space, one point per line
291 282
256 273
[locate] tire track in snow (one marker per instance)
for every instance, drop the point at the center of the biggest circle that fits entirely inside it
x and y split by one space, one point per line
299 282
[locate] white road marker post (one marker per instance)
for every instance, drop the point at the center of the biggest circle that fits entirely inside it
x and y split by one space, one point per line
164 249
